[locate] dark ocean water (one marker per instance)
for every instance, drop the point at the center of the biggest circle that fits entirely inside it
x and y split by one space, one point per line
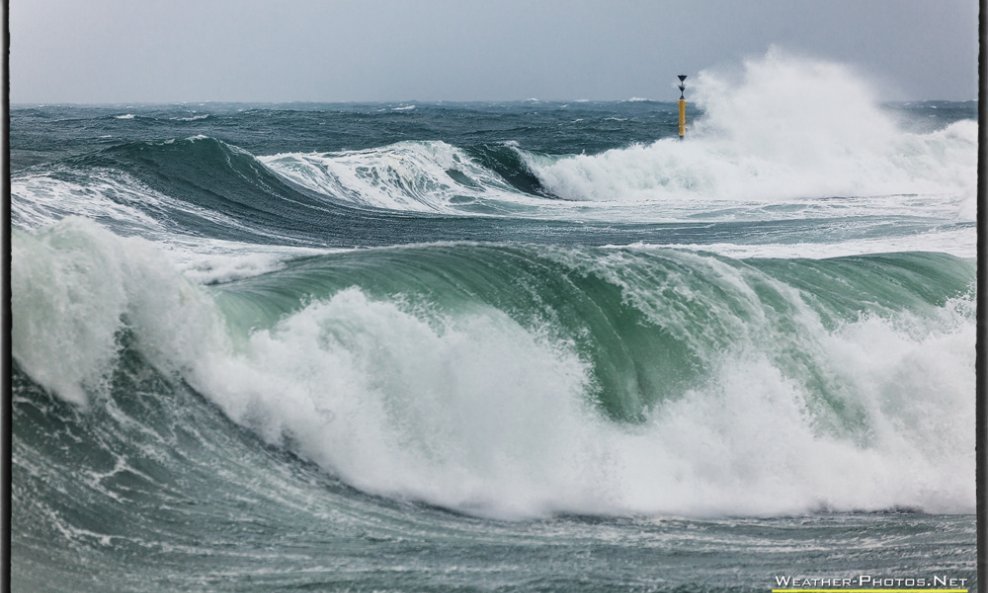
536 346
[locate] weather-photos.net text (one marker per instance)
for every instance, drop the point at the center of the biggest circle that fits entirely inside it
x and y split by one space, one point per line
870 582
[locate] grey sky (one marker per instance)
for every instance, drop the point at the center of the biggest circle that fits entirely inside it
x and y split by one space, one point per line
340 50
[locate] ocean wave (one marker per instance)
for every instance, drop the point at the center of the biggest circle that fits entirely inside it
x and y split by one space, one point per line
200 190
787 127
420 176
513 381
198 117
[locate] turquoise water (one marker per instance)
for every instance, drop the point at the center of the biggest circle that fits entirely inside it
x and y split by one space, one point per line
538 346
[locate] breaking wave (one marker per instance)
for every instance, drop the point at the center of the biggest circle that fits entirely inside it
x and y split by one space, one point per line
518 381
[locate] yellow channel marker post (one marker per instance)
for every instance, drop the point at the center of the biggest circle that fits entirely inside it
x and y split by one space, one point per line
682 106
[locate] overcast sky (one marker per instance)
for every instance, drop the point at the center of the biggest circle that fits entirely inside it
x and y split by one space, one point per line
96 51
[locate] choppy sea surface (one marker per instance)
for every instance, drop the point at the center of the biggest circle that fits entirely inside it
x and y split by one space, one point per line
529 346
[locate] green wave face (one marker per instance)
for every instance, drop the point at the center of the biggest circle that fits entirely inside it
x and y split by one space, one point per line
651 324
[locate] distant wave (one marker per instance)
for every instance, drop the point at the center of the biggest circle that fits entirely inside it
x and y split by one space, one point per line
203 186
408 176
199 117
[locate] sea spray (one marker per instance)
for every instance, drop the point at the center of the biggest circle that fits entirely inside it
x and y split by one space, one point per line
786 127
78 286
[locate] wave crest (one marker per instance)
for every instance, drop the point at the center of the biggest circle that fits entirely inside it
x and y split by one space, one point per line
407 176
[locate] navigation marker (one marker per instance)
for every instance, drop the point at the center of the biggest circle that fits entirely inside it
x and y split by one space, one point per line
682 106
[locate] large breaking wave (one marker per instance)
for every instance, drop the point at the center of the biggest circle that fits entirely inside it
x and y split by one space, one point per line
518 381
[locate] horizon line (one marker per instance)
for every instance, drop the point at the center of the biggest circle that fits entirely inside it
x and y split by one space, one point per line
532 100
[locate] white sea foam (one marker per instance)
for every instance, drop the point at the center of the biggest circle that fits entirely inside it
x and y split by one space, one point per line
477 412
130 207
39 199
786 128
958 242
107 195
407 176
124 116
786 138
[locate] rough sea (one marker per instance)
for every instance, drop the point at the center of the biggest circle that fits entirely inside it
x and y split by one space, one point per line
521 346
